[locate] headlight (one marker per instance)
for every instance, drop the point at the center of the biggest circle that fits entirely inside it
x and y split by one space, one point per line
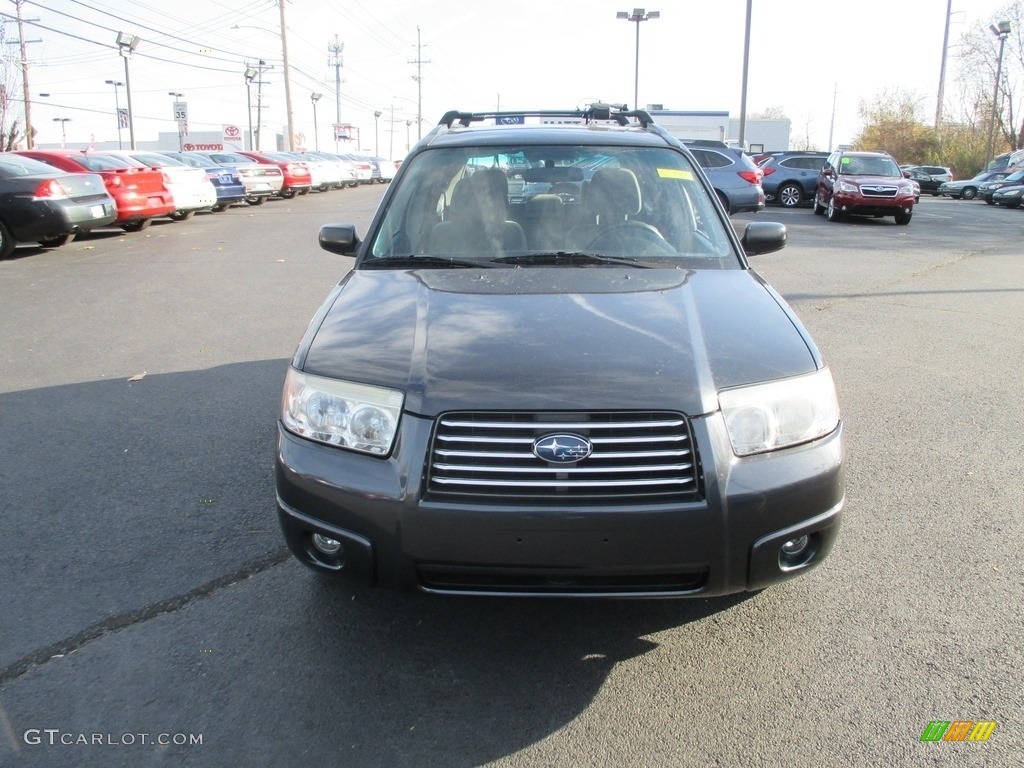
846 186
1013 193
766 417
913 189
357 416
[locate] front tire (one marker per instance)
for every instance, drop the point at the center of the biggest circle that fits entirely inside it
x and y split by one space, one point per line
790 195
287 194
832 213
903 218
969 193
818 208
256 200
182 215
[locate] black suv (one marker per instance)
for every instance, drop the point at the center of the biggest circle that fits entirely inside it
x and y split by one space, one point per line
585 392
790 177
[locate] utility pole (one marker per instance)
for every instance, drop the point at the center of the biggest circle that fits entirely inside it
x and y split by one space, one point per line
287 80
418 77
260 66
22 42
335 50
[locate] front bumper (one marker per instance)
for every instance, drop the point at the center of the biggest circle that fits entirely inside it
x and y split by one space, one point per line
860 205
725 542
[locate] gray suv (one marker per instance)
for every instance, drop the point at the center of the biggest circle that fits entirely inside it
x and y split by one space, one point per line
578 393
791 177
733 174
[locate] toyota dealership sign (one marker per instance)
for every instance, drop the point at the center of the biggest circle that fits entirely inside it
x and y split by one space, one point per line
233 137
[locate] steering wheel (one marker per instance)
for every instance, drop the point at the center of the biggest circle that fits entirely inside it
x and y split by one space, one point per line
632 238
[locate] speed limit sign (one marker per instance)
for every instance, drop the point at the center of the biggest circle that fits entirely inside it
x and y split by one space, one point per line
181 111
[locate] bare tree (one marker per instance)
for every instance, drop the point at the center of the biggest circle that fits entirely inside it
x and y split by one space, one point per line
12 107
979 61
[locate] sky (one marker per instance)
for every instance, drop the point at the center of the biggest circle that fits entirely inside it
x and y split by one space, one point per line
816 60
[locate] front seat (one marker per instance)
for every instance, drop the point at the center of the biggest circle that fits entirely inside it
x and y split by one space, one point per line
479 218
610 197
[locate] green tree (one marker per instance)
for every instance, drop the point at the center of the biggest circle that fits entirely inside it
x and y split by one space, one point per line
893 123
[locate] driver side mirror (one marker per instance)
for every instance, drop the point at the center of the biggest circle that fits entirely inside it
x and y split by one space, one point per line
763 237
340 239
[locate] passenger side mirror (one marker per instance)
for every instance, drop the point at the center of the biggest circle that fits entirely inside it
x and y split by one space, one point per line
340 239
763 237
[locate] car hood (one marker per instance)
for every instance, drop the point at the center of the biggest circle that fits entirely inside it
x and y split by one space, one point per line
557 338
869 180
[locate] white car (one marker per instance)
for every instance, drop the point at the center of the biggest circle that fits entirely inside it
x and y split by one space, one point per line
190 187
363 166
388 169
261 180
325 172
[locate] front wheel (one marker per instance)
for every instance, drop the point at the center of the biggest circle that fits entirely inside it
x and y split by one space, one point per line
832 213
182 215
903 218
287 194
818 209
256 200
790 195
969 193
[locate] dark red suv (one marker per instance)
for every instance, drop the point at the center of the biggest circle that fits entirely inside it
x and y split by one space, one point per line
863 184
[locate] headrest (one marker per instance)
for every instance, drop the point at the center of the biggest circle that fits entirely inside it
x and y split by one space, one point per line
613 192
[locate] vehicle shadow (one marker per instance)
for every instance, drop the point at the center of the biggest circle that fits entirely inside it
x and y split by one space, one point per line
135 512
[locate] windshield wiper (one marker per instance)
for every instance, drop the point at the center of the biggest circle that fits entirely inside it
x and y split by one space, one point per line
571 258
423 260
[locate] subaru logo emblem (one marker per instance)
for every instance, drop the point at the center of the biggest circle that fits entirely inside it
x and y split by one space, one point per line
562 449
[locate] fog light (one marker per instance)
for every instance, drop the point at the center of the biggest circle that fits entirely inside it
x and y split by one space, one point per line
332 546
794 547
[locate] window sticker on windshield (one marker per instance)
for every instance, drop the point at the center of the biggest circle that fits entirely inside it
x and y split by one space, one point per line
675 173
844 161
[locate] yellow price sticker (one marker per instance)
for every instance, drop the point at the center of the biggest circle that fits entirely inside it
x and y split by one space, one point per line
675 173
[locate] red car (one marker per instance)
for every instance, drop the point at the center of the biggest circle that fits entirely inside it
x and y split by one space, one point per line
140 193
297 177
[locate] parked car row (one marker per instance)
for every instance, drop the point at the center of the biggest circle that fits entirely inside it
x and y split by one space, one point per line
48 196
994 187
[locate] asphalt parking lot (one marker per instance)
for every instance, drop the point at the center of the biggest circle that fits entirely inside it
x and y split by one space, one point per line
147 593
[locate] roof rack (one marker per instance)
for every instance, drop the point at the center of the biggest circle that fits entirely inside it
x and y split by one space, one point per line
620 113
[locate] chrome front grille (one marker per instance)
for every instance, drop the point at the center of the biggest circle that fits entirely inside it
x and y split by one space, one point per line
635 455
877 190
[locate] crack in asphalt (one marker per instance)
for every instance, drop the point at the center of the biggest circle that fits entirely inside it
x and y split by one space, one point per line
121 621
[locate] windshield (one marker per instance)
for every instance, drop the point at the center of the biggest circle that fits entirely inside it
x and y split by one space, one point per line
869 166
525 205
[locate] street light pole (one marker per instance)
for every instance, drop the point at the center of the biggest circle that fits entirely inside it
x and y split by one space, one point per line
1002 32
743 89
376 133
249 76
63 133
126 44
638 15
117 107
315 97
